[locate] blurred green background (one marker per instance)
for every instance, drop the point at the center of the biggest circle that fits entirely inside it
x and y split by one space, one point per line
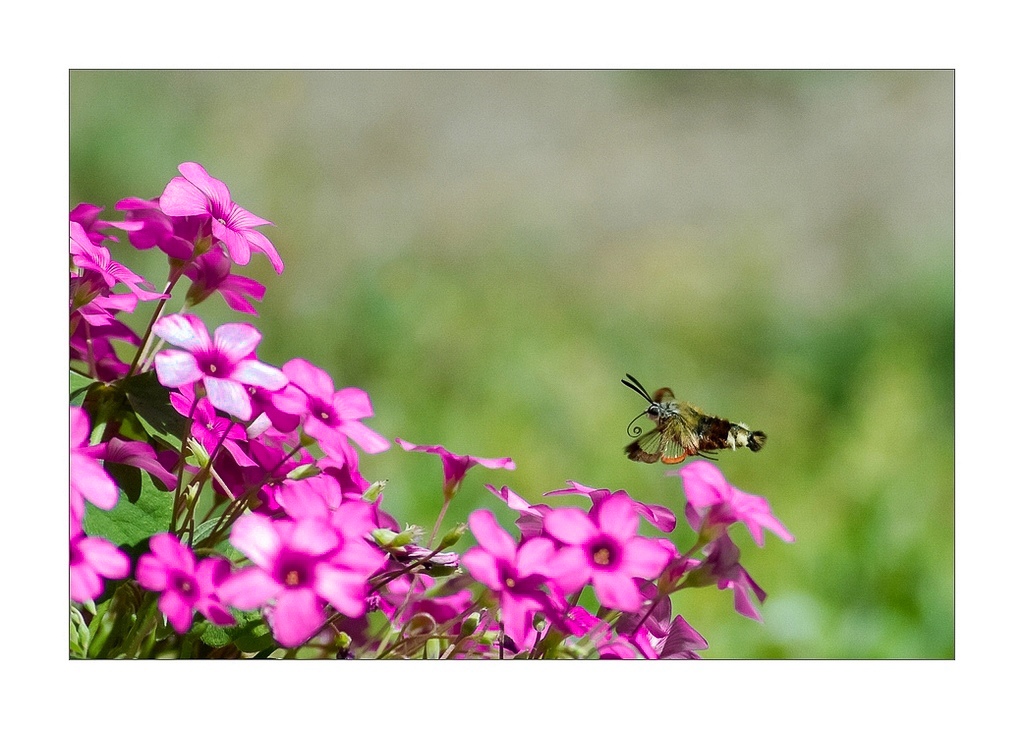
488 253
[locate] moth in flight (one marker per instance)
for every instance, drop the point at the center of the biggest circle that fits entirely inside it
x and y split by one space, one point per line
682 430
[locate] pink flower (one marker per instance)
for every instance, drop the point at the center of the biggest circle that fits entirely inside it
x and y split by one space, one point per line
88 216
223 363
517 574
209 429
211 272
328 416
95 262
607 551
659 517
89 481
197 193
455 466
300 564
531 516
148 226
170 568
712 503
92 559
722 566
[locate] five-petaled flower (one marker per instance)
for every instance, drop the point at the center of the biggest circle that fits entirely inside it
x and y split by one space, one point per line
606 549
170 568
299 564
518 574
197 193
332 418
712 504
223 363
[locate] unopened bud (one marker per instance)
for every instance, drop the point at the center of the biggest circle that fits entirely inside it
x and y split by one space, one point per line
453 536
469 625
306 470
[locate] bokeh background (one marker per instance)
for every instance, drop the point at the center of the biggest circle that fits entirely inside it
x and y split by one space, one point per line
488 253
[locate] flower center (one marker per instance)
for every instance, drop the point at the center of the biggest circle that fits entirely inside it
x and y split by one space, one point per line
602 556
323 412
292 578
509 582
184 585
214 364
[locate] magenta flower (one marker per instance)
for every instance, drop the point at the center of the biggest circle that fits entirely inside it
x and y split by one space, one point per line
89 481
517 574
712 503
300 564
88 216
722 567
209 429
660 517
607 551
531 516
223 363
148 226
211 272
197 193
170 568
92 559
455 466
96 260
332 418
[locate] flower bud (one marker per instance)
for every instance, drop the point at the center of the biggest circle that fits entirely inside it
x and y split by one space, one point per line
453 536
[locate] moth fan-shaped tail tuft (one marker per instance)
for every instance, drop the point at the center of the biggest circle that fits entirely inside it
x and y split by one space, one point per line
755 441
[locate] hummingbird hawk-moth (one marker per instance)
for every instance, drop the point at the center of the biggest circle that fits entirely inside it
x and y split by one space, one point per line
682 430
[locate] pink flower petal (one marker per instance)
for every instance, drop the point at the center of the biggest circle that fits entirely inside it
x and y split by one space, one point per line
617 516
249 588
254 372
483 567
296 617
616 590
534 556
212 188
491 536
643 557
229 396
351 403
369 440
236 340
180 198
254 536
313 536
309 379
184 330
569 525
178 612
345 590
151 573
175 368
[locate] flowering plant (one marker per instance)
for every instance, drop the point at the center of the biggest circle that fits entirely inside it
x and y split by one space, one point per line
217 508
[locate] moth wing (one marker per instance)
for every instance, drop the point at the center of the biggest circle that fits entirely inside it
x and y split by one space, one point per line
678 440
647 447
672 448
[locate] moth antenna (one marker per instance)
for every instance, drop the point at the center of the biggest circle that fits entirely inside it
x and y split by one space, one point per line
635 430
636 387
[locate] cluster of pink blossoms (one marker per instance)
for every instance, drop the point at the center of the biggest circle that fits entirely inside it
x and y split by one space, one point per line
263 530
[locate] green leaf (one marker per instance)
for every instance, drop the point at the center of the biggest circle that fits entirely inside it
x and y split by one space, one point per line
137 516
80 384
250 635
151 403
